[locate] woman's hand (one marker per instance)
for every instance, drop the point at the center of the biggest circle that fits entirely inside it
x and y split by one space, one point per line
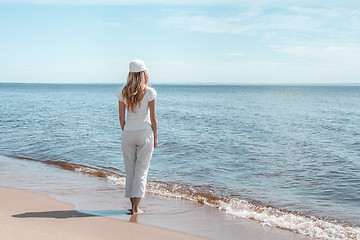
155 142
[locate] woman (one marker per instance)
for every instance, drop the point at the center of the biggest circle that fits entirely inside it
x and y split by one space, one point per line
139 136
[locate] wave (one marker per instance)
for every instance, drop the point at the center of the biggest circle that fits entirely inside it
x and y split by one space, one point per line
266 215
88 170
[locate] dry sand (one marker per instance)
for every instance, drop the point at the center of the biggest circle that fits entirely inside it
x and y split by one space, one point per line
27 215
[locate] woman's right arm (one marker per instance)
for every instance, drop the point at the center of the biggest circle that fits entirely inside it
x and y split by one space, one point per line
122 108
153 119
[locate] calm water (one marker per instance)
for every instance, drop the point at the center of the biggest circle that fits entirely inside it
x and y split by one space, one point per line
290 153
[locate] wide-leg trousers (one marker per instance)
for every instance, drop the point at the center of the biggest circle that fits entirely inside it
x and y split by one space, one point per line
137 147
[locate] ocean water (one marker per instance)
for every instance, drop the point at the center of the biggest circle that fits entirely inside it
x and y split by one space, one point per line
285 156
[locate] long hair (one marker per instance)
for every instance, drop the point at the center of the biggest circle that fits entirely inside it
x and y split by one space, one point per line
135 89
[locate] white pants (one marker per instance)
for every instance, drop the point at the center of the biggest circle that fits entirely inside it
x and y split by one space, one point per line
137 147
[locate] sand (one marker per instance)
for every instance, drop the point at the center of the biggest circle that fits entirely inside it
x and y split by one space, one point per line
94 196
28 215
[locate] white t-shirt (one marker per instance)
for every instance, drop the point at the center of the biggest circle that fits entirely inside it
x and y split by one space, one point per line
140 117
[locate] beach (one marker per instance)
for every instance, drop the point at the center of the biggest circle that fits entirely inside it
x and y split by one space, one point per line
44 200
254 108
27 215
272 165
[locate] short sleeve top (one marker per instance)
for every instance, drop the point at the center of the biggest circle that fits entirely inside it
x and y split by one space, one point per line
139 118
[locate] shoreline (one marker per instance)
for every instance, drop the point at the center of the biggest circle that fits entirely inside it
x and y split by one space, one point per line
95 196
32 215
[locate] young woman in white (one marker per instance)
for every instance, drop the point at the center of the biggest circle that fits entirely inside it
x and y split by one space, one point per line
139 136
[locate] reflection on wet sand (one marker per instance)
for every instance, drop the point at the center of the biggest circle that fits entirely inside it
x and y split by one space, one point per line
134 218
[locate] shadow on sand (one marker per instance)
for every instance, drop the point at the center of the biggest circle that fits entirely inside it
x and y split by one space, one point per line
71 214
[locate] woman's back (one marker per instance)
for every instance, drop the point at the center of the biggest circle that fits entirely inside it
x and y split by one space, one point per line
139 118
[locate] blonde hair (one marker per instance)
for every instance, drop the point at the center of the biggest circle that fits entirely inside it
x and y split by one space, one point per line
135 89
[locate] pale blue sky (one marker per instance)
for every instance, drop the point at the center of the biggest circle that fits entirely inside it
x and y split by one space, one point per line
182 41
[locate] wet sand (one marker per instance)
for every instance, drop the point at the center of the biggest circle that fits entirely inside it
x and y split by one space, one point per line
27 215
95 198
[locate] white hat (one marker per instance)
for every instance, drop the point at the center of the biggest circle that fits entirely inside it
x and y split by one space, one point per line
137 65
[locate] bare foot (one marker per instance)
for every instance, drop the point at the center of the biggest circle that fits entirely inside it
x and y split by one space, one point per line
137 211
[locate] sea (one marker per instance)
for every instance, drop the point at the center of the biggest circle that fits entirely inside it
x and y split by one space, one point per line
285 156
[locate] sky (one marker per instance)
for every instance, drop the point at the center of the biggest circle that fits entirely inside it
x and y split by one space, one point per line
181 41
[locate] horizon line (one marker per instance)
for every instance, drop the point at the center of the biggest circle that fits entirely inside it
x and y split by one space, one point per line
194 83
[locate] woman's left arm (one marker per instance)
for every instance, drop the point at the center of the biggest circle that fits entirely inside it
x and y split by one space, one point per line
122 108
